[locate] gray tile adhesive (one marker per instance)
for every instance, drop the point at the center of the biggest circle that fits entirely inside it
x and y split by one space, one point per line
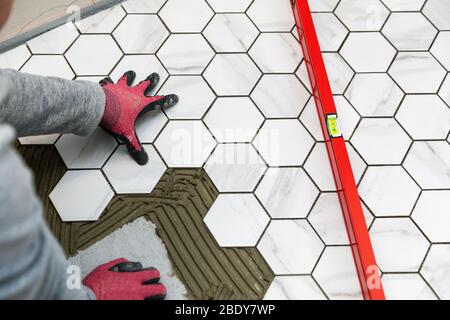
85 12
176 207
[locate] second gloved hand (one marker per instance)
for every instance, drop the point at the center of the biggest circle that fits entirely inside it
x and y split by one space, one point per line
125 103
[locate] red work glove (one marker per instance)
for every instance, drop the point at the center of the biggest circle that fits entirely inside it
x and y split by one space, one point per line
124 104
124 280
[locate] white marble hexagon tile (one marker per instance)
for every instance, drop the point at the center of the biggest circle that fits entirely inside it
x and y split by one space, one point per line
247 117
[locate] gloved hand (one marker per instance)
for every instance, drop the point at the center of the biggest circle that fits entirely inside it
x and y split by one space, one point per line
121 279
124 104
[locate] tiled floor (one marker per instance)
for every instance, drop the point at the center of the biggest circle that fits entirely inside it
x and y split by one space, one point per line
238 69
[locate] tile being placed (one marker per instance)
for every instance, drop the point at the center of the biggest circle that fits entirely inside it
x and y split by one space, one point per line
318 167
229 5
233 119
93 54
389 191
235 167
230 33
424 117
381 141
271 16
15 58
411 68
406 287
39 140
139 6
149 125
55 41
141 34
339 72
327 219
367 15
368 52
186 16
195 97
280 96
48 66
374 95
441 49
432 216
398 244
287 193
283 142
336 274
126 176
88 152
409 31
428 163
236 220
185 54
103 22
284 55
81 195
185 144
232 74
404 5
330 31
438 11
436 268
290 247
294 288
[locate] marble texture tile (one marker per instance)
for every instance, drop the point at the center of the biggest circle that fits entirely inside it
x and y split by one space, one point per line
330 31
196 14
149 125
271 16
409 70
39 140
185 54
424 117
336 274
438 11
235 167
406 287
48 66
226 126
358 164
15 58
367 15
139 6
368 52
381 141
404 5
93 54
374 95
287 193
81 195
229 5
310 119
327 219
89 152
185 144
318 167
103 22
127 177
323 5
302 74
194 94
280 96
389 191
147 36
429 164
232 74
398 244
55 41
230 33
441 49
283 142
339 72
409 31
284 55
294 288
432 216
435 269
347 116
290 247
236 220
444 92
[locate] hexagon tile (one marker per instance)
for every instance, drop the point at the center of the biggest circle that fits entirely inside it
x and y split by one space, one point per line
247 117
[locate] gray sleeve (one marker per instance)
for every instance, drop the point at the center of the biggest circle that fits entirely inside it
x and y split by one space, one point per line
36 105
32 264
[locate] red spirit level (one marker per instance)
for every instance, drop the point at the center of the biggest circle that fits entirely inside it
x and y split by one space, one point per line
367 269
